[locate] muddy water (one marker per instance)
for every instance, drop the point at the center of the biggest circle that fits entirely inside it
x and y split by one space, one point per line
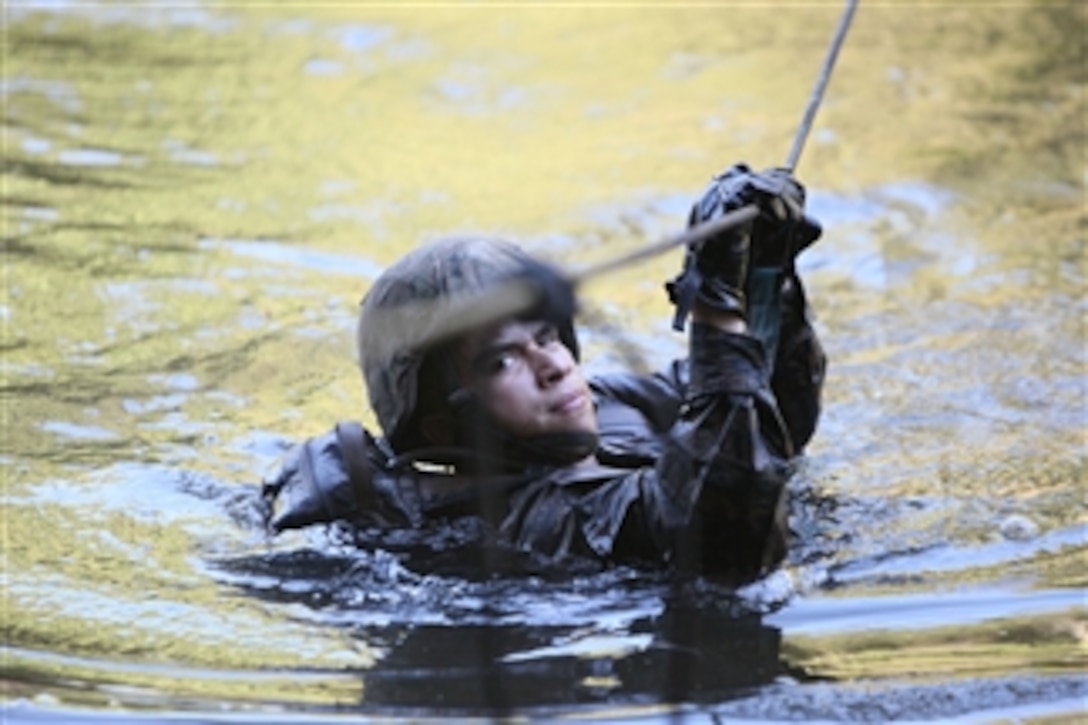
195 198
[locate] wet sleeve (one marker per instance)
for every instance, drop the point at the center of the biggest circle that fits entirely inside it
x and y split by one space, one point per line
800 367
655 397
339 476
717 498
714 500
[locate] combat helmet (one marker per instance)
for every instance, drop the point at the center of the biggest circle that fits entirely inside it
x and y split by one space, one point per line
432 295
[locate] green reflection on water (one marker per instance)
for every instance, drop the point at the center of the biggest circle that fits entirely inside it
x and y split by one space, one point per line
133 149
114 685
1051 644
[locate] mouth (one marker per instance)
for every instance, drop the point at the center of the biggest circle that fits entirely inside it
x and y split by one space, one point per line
570 403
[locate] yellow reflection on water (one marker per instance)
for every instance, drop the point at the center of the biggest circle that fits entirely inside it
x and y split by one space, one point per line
137 152
1054 644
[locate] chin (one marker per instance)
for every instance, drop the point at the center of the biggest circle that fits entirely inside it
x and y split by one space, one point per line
587 428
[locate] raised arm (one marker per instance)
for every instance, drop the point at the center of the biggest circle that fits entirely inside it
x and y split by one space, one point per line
715 501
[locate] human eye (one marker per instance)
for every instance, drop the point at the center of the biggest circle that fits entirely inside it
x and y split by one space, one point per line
497 363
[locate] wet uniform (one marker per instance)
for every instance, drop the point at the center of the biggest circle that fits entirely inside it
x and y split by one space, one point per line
690 468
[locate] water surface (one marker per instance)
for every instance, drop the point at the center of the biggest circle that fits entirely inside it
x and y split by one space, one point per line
196 197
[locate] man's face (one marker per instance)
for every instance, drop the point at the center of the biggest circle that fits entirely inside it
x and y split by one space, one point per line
527 379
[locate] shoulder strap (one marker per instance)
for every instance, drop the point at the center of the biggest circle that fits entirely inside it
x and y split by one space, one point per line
354 441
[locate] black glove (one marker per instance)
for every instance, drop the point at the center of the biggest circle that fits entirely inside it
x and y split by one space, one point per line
716 271
782 229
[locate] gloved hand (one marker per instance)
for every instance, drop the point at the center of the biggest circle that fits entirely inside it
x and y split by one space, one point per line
782 229
716 271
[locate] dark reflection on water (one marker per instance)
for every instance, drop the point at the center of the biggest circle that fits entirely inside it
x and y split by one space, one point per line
684 655
456 639
488 645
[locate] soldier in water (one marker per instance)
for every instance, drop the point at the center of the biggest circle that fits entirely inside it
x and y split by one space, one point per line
471 362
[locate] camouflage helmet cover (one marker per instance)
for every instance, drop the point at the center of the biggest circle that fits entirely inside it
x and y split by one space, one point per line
432 295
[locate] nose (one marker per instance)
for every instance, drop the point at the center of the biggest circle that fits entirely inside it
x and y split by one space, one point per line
551 363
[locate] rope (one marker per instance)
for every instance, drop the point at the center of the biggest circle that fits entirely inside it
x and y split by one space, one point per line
745 214
821 85
676 689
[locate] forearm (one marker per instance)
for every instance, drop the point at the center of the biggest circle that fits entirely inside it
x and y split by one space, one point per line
720 319
721 480
799 370
728 420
